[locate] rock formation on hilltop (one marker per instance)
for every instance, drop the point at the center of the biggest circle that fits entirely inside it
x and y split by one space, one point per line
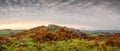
50 32
53 27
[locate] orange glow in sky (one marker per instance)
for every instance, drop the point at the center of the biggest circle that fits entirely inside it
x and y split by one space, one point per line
35 24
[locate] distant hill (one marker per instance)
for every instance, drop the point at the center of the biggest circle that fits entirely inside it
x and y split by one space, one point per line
9 31
94 31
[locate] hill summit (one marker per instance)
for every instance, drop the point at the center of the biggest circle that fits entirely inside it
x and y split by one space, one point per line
50 32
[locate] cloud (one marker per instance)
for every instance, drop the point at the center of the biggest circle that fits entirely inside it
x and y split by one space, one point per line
89 14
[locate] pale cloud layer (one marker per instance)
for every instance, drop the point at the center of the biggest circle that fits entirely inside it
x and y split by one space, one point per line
80 14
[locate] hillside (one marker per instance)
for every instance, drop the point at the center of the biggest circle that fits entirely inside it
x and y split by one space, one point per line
50 32
58 38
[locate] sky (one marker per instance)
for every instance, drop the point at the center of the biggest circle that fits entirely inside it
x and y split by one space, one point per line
79 14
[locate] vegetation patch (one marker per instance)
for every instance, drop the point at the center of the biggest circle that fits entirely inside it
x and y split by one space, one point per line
57 38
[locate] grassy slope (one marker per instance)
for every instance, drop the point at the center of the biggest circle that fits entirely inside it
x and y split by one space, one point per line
28 44
24 42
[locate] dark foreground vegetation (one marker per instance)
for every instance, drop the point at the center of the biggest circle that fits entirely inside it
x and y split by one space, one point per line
57 38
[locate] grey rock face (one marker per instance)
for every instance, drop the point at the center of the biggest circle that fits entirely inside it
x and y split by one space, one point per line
53 27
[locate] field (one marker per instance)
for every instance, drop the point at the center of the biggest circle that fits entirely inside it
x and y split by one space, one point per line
57 38
8 31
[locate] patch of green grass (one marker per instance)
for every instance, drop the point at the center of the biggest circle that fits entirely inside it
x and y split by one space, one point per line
5 32
64 45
